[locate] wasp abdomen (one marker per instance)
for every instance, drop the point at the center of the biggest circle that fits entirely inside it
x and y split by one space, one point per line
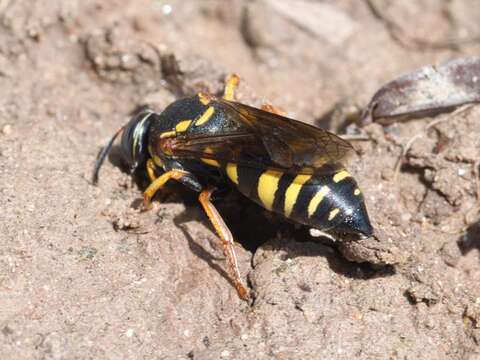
323 201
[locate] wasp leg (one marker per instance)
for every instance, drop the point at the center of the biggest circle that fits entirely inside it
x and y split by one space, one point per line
158 183
272 109
227 240
232 83
152 176
151 170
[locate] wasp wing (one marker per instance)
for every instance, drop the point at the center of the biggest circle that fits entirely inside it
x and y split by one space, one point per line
241 148
266 139
292 143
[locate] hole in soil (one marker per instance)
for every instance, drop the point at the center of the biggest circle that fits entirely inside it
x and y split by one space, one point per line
471 239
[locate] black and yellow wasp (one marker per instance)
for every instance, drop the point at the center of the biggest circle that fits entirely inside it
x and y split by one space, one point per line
284 165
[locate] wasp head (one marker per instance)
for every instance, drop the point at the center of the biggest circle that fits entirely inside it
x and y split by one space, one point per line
134 144
134 148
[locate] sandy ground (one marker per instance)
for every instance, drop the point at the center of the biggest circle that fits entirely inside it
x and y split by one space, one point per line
85 275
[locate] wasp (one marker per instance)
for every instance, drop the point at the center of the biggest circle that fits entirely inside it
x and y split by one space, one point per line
284 165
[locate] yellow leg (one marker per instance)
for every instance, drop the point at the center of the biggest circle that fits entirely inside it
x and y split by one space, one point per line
151 170
158 183
272 109
227 240
232 83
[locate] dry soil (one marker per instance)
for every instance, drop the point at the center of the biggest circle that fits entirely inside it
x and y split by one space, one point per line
85 275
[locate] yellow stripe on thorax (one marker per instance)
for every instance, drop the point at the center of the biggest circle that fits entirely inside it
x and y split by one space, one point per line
267 186
180 127
317 199
183 125
205 116
292 192
232 172
167 134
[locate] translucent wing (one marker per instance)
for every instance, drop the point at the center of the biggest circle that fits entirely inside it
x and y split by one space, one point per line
266 139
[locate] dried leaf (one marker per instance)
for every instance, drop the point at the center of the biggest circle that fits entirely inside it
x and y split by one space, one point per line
426 91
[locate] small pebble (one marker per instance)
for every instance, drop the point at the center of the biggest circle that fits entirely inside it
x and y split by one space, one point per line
167 9
461 172
7 129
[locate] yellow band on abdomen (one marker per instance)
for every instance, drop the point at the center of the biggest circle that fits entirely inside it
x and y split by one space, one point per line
317 199
267 186
292 192
341 175
232 172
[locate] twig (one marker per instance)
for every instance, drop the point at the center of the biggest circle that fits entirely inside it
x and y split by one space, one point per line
355 137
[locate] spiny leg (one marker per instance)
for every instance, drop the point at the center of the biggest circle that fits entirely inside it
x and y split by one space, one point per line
227 240
232 83
158 183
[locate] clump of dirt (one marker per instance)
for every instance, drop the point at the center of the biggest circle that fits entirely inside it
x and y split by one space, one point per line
119 58
86 273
